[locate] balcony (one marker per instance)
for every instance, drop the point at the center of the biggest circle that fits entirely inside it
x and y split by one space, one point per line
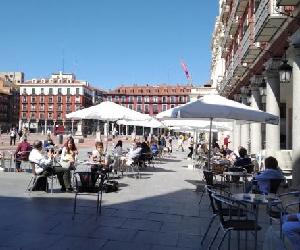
288 2
268 20
248 51
241 6
225 10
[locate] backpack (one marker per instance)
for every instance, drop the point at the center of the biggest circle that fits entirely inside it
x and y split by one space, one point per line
110 186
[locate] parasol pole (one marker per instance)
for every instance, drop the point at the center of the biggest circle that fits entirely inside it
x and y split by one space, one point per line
209 144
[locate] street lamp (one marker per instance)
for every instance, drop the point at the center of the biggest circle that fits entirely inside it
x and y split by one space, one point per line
285 71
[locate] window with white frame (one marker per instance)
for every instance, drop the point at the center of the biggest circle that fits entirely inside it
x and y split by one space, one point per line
139 108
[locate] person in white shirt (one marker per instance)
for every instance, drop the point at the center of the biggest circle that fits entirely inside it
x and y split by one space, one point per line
134 153
43 165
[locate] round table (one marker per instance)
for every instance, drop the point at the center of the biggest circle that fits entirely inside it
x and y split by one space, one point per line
255 200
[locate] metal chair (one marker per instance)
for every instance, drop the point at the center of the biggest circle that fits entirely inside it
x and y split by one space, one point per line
226 211
86 184
209 179
228 225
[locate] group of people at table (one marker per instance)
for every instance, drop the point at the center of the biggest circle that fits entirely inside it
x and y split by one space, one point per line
49 160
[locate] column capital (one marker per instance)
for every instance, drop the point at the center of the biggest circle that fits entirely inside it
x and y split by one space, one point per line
272 65
256 82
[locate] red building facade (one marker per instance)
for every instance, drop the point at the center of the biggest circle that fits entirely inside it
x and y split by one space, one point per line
150 99
44 103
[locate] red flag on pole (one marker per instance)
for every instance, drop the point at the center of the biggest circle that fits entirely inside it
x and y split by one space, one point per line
185 69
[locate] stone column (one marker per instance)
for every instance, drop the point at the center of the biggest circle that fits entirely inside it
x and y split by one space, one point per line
245 128
72 127
45 126
296 115
272 105
255 128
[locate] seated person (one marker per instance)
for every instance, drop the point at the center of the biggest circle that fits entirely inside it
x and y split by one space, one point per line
48 143
69 155
43 166
243 161
118 148
98 156
22 153
154 148
291 229
133 154
145 152
272 171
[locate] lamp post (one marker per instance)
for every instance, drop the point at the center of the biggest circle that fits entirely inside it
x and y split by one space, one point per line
285 72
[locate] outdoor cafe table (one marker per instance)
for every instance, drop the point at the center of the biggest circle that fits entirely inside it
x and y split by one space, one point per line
255 200
244 175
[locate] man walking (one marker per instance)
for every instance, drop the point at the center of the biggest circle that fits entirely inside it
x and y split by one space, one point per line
12 136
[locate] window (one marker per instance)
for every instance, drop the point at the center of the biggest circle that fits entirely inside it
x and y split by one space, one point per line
50 99
59 99
42 91
68 99
24 115
109 98
173 99
59 116
155 99
130 98
24 91
146 98
68 108
50 91
172 106
139 99
33 99
42 116
123 98
155 108
130 106
24 107
164 107
32 115
164 99
33 91
139 108
181 99
33 107
50 115
59 91
68 91
24 99
146 108
50 107
59 107
42 99
42 107
77 91
77 107
116 98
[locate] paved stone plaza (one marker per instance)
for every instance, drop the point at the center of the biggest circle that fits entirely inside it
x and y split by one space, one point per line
158 211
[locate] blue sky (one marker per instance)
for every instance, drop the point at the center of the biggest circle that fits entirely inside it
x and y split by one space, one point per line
108 42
